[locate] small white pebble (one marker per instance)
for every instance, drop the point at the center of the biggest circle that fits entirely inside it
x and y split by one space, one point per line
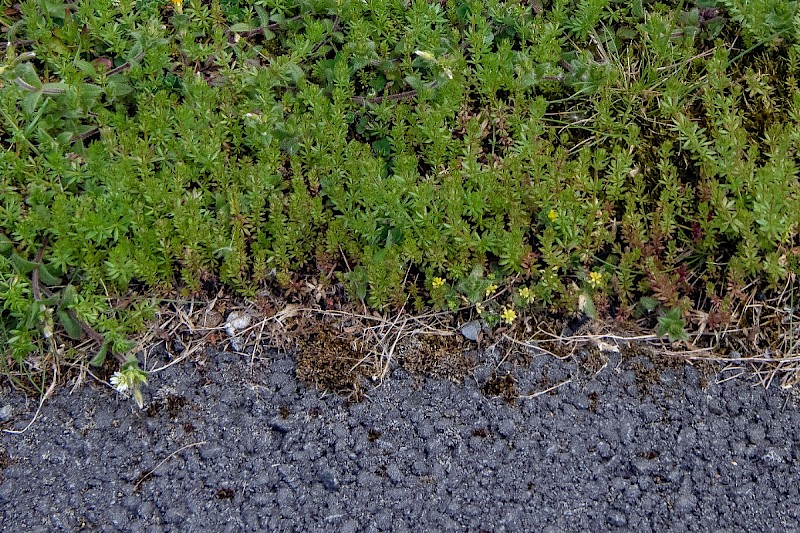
237 321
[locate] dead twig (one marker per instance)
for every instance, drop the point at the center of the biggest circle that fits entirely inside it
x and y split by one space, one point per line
551 389
38 409
149 474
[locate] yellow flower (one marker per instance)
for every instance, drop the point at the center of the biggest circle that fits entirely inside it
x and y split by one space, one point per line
490 289
437 282
595 279
526 294
479 309
178 4
508 315
552 215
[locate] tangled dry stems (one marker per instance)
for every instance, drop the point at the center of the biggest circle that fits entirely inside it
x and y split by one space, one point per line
761 339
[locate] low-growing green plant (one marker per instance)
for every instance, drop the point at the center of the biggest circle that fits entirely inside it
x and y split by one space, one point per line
588 154
672 325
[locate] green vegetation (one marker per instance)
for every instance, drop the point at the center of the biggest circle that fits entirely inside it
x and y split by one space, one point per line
631 159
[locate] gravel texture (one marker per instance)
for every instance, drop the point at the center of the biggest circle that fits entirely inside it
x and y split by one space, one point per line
225 444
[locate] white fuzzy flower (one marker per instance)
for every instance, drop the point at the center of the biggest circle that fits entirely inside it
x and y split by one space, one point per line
120 382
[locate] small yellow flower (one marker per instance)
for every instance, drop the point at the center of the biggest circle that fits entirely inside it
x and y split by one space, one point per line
595 279
490 289
178 5
552 215
437 282
526 294
508 315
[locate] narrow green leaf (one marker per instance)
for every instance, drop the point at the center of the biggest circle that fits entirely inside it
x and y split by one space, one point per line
137 397
33 314
54 88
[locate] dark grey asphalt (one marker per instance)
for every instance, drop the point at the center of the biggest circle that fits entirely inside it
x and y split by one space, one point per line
232 446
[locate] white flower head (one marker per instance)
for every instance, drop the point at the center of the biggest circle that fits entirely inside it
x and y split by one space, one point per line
129 380
120 382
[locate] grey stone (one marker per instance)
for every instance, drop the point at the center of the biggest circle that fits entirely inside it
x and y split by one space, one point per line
471 330
329 480
617 519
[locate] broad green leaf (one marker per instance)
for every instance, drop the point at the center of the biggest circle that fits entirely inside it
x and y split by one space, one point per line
130 363
71 326
136 49
49 302
85 67
6 246
242 27
65 138
586 305
627 33
527 80
21 265
27 73
672 325
33 320
100 358
68 296
47 277
89 92
414 82
648 304
30 101
263 16
117 85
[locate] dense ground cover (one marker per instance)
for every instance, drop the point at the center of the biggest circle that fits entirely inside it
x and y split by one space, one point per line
631 161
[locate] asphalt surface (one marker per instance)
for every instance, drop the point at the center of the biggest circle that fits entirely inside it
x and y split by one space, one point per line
228 444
